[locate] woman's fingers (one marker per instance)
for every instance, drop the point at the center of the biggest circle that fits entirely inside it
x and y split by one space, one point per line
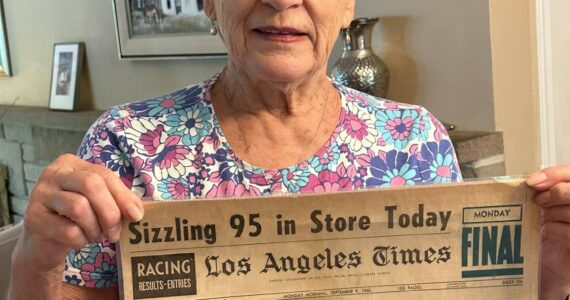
545 179
67 232
107 195
129 204
77 208
74 203
557 195
52 227
89 195
93 188
557 231
557 214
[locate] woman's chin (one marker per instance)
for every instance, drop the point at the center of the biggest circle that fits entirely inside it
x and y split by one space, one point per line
280 72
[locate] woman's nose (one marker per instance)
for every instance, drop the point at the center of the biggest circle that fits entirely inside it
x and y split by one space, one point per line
282 5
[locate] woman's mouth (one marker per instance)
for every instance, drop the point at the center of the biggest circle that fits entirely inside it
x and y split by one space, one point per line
280 34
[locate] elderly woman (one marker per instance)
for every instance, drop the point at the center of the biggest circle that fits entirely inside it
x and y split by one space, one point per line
270 122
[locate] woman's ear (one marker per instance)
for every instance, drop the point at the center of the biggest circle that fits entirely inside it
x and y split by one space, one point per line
348 13
210 9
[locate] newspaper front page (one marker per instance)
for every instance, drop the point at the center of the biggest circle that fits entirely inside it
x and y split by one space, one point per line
457 241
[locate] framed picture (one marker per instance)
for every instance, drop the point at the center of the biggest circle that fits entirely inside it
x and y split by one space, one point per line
5 67
65 76
155 29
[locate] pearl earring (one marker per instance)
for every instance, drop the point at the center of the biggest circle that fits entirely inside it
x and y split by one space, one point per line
213 28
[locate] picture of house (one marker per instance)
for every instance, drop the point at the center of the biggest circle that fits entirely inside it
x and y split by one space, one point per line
152 17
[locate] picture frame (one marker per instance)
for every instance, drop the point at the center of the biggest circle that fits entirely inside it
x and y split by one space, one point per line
66 76
164 29
5 65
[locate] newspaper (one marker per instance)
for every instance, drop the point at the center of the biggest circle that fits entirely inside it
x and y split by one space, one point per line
457 241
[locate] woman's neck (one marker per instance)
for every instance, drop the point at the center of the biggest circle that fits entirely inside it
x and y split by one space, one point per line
255 95
272 125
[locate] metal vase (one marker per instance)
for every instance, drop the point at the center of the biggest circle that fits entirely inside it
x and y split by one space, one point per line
359 67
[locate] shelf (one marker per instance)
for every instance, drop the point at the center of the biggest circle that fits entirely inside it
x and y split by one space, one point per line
44 117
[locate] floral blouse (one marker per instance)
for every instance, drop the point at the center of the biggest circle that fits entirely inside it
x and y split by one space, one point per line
172 147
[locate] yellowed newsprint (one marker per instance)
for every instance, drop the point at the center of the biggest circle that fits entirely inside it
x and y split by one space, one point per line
460 241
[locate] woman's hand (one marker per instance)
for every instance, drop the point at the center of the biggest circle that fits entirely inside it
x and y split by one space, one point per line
553 185
73 203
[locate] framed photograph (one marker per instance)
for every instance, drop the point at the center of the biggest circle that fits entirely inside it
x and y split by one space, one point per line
155 29
65 76
5 67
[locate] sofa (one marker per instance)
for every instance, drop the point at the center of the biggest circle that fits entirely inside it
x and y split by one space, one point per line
8 238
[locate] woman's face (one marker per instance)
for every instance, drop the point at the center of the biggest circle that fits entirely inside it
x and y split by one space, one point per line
280 40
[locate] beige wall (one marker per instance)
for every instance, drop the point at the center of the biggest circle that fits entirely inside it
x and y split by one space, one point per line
438 50
35 25
439 55
560 9
513 45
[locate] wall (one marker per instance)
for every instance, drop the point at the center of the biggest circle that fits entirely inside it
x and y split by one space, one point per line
513 44
439 54
438 51
35 25
560 9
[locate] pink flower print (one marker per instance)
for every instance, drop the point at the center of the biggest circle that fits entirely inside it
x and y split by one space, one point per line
96 150
398 181
358 131
327 181
443 171
400 128
209 160
258 179
178 189
102 273
440 132
127 179
232 189
103 134
172 162
167 103
392 105
153 139
149 136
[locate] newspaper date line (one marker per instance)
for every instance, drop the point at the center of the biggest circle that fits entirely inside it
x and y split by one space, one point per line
182 230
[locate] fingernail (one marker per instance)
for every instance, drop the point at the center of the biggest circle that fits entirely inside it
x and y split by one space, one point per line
135 213
536 179
114 234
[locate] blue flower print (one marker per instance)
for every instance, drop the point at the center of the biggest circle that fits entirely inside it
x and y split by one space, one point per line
169 103
425 124
85 255
398 127
399 169
295 178
102 273
326 158
104 276
164 105
192 124
73 279
116 160
437 164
